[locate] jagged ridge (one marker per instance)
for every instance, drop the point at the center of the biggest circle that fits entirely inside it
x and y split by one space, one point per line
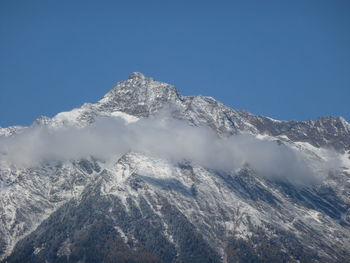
141 203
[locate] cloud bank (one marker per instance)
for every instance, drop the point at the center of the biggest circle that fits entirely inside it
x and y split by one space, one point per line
160 135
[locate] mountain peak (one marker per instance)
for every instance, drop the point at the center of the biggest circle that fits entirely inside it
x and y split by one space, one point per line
139 96
136 75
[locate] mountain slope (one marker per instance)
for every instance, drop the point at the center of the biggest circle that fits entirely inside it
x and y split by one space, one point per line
145 208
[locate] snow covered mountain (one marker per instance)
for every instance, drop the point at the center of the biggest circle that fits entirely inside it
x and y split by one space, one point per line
140 207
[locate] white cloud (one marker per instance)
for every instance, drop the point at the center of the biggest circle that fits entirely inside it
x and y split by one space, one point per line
160 135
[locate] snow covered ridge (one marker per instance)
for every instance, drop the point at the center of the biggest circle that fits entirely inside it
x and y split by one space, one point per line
152 170
112 127
140 96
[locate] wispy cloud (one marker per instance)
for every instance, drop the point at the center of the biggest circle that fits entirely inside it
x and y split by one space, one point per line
159 135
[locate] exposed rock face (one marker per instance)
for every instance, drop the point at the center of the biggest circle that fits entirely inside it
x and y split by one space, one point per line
140 208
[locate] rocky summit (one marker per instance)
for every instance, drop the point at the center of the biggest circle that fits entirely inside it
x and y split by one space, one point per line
142 207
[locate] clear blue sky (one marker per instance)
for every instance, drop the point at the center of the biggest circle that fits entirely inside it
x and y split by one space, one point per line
284 59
